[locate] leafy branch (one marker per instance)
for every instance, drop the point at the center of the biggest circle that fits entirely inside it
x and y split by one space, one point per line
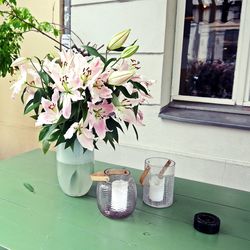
15 22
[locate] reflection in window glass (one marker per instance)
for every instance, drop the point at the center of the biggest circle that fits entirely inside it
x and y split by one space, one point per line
211 30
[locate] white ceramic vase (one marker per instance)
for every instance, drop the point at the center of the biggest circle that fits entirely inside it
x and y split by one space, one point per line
74 169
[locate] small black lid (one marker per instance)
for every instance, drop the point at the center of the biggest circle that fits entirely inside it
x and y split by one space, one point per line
206 223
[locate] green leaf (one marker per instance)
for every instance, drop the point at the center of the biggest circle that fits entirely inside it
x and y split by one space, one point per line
111 123
126 124
133 43
126 93
47 132
45 77
45 146
136 133
115 100
109 138
136 110
61 120
43 132
95 146
34 117
115 135
60 139
93 52
54 135
70 142
137 85
22 96
29 187
84 111
119 49
37 96
56 32
31 107
108 62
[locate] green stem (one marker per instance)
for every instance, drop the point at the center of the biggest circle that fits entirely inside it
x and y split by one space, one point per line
32 86
106 55
116 62
37 73
38 30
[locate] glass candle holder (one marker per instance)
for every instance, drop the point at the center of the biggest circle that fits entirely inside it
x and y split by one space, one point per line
116 198
158 182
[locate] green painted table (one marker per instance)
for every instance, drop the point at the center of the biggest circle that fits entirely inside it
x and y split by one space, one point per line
50 220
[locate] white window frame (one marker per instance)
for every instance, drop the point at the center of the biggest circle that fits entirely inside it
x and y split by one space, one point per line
241 86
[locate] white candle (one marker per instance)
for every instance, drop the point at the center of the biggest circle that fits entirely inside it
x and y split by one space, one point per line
156 188
119 195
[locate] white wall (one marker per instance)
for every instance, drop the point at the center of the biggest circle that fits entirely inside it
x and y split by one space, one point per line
204 153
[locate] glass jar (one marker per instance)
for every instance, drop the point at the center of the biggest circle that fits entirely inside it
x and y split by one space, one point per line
158 182
116 197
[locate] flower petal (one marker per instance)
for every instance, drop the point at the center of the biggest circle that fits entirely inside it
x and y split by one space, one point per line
86 139
49 117
55 96
18 85
19 61
100 128
71 130
66 106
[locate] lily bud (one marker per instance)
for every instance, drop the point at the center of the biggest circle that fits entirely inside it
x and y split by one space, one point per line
129 51
118 40
117 78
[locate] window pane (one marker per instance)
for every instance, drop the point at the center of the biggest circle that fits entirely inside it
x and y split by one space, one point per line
211 30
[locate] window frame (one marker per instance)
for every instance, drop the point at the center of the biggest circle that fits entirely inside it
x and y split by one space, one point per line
241 86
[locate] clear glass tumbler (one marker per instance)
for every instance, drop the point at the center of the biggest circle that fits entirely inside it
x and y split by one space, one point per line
158 182
116 198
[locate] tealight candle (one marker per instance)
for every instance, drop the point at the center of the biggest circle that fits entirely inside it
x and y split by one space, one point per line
119 195
156 188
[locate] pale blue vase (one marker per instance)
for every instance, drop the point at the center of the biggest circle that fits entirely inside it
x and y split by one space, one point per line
74 169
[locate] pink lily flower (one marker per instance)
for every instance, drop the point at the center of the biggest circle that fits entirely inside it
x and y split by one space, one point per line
66 99
35 83
27 71
99 90
98 114
66 55
51 113
84 135
67 81
17 86
92 72
19 61
125 112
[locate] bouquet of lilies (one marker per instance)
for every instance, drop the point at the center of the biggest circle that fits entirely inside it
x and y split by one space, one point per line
83 95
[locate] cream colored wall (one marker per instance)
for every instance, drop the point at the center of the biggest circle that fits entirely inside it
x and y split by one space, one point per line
17 132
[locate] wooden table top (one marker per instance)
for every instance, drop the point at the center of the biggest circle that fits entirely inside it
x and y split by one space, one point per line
49 220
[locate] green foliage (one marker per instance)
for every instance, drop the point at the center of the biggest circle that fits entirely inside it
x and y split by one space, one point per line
93 52
15 22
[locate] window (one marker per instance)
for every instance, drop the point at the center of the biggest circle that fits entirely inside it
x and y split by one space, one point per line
212 51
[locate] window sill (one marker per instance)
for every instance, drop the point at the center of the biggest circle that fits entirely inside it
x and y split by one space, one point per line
208 114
